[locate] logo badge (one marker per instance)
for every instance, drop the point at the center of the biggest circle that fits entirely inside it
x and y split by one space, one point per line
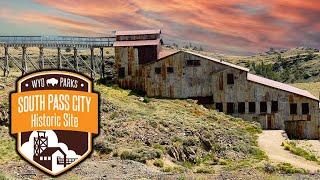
54 117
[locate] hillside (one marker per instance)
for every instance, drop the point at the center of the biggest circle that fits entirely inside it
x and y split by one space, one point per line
312 87
143 137
171 136
290 66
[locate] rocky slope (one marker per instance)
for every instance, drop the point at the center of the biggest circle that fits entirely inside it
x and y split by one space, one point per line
162 136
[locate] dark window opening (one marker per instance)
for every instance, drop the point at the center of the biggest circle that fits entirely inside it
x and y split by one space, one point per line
121 72
147 54
221 82
230 79
193 63
263 107
242 107
293 108
169 69
230 108
219 107
157 70
274 106
305 108
252 107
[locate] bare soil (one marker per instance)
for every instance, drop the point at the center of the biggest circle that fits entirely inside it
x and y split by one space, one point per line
270 141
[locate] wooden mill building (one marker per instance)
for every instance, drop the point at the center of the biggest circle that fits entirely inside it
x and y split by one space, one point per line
142 64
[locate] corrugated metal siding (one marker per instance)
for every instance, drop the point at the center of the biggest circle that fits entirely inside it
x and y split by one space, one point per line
210 79
137 37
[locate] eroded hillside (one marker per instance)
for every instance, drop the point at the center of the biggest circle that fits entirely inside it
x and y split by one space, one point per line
167 136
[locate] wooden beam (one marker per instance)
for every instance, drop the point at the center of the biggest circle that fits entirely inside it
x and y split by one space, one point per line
75 58
102 64
6 61
91 62
41 58
59 58
24 60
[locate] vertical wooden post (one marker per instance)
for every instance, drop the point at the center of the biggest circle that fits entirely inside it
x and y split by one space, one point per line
75 58
91 61
59 58
102 64
24 60
6 61
41 58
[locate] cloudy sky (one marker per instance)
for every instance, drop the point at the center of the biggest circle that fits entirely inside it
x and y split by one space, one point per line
233 26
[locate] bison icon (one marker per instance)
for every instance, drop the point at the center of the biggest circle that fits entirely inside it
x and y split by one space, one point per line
52 81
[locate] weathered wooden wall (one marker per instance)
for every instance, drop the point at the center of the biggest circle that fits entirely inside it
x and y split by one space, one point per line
138 37
247 91
210 80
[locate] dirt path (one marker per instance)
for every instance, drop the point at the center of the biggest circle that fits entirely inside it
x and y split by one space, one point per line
270 141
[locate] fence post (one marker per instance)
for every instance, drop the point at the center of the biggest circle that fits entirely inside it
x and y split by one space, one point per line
91 61
102 64
59 58
24 60
6 61
75 58
41 58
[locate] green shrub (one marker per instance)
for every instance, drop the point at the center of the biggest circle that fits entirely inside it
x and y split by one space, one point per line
206 170
153 123
258 153
269 168
141 155
292 147
102 148
146 99
160 147
130 155
188 164
289 169
158 163
167 169
177 139
223 162
175 169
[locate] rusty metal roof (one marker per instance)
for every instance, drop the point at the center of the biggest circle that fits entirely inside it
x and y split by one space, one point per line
137 43
165 53
279 85
138 32
219 61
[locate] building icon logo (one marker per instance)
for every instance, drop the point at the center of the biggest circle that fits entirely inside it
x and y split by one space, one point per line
54 117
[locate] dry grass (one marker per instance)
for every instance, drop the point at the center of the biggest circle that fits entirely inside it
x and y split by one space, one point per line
163 120
312 87
7 147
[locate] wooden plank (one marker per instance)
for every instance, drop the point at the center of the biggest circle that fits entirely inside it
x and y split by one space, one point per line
41 58
91 61
59 58
6 61
75 58
102 64
24 60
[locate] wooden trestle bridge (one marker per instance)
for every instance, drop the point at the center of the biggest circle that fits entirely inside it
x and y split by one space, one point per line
76 63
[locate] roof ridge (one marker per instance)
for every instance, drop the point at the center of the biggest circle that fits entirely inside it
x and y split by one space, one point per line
277 85
218 61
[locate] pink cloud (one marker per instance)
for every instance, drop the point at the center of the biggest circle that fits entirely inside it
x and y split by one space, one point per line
249 25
